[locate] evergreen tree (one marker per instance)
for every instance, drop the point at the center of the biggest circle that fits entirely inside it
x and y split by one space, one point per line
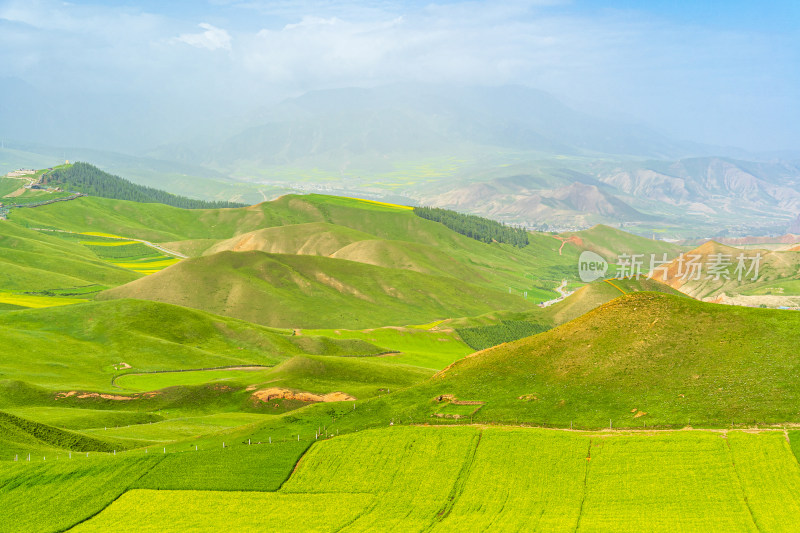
475 227
88 179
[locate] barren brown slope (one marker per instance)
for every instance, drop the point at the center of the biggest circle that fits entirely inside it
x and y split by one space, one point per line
772 266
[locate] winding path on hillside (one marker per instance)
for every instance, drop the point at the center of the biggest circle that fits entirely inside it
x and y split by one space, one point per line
562 290
216 368
146 243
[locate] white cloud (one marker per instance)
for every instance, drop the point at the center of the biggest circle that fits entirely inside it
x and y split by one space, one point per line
212 38
667 73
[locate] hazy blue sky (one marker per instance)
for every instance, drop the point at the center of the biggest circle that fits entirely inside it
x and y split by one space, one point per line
718 72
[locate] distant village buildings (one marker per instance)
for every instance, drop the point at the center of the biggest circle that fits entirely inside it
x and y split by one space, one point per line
21 173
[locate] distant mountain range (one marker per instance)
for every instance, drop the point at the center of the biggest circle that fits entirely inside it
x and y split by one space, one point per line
711 192
511 153
340 126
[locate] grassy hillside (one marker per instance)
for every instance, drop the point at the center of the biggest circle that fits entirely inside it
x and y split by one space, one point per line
661 355
642 359
346 228
84 346
263 467
596 294
495 328
312 238
33 262
609 242
20 437
307 291
421 346
345 221
86 178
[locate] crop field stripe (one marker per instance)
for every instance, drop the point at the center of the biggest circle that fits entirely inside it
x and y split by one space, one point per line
522 479
257 468
68 489
585 485
126 489
770 478
460 481
144 510
106 244
396 465
741 485
100 234
664 482
37 302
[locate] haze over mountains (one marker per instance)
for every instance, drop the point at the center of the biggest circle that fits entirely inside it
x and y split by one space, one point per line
509 152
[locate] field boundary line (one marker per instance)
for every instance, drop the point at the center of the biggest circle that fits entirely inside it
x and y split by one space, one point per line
364 512
124 491
458 485
143 372
739 480
615 286
296 466
585 485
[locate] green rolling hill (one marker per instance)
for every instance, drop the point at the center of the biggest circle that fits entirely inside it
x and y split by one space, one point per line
313 292
88 179
643 358
609 242
35 261
320 225
83 346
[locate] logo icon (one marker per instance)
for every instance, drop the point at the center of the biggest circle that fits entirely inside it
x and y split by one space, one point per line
591 266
